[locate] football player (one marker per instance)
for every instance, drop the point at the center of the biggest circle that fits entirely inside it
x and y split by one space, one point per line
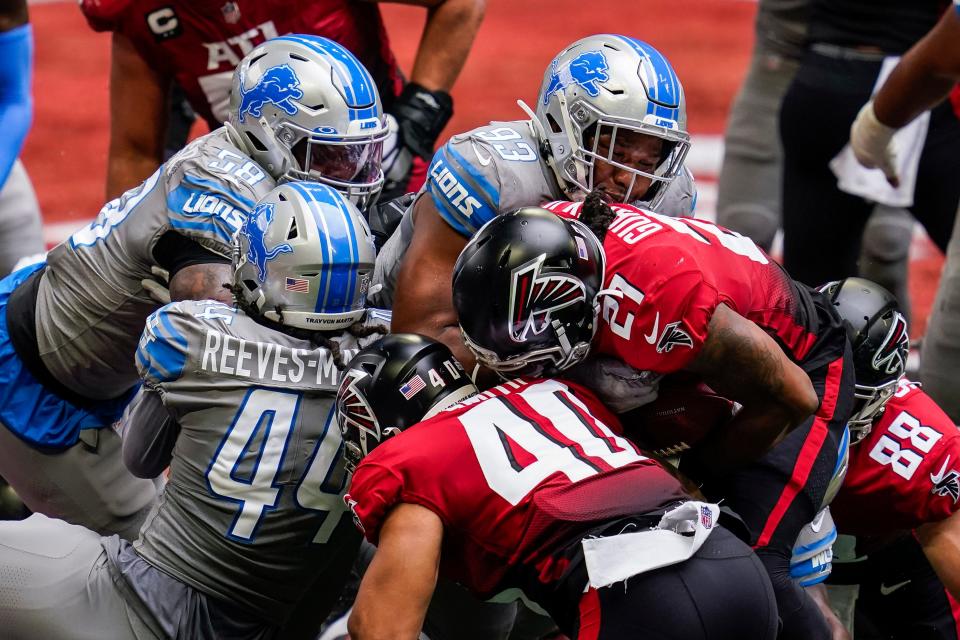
611 115
70 326
928 72
903 475
526 487
239 403
680 295
157 42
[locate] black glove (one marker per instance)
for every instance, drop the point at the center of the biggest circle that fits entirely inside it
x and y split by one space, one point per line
386 216
422 114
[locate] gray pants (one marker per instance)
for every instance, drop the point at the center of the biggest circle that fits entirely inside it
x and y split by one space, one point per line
86 484
56 582
940 359
748 195
21 233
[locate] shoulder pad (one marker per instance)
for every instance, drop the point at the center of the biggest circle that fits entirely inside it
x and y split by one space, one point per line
465 192
209 196
162 352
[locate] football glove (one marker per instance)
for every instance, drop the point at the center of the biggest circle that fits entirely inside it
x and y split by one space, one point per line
158 287
422 114
812 559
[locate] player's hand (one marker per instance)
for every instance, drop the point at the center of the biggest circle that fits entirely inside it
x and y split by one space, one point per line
421 114
870 141
618 385
158 287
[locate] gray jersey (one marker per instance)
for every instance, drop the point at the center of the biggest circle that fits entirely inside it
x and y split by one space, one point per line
252 510
91 305
491 170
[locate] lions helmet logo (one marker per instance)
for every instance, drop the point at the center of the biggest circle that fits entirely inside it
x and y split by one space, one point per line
946 483
891 357
354 413
587 70
255 229
534 299
278 86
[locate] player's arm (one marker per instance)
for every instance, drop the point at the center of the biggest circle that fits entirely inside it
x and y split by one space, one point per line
396 589
924 76
16 101
941 544
423 299
138 103
424 107
741 362
448 34
195 272
149 433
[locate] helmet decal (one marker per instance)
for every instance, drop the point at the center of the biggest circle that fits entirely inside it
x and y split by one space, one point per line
255 228
891 357
353 409
533 298
586 70
278 86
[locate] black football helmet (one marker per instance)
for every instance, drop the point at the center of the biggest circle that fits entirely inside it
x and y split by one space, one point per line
526 292
880 342
396 382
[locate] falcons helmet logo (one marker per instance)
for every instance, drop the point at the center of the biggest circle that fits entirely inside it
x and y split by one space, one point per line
534 298
891 357
946 483
353 412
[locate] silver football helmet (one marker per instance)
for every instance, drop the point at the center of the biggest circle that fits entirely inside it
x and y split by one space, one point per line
602 87
304 258
305 108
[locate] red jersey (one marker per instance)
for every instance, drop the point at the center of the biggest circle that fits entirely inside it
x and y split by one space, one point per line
673 272
905 473
200 42
516 474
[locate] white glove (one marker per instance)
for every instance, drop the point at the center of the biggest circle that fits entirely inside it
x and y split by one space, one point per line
618 385
158 288
397 159
870 143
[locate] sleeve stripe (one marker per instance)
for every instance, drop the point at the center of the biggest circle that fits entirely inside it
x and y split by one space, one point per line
474 177
460 223
218 188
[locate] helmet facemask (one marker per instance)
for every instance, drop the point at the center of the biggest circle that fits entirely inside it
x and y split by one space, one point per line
869 404
349 165
596 138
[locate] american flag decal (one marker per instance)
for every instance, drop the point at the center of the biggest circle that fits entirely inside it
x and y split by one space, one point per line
414 386
297 285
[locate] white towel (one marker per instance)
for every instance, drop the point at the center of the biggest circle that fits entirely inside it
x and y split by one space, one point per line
855 179
615 558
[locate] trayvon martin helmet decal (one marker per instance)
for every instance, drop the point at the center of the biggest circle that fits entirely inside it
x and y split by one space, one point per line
304 108
304 258
526 289
601 87
396 382
880 343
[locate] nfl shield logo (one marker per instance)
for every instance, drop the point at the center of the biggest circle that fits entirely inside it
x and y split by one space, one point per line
231 12
706 517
